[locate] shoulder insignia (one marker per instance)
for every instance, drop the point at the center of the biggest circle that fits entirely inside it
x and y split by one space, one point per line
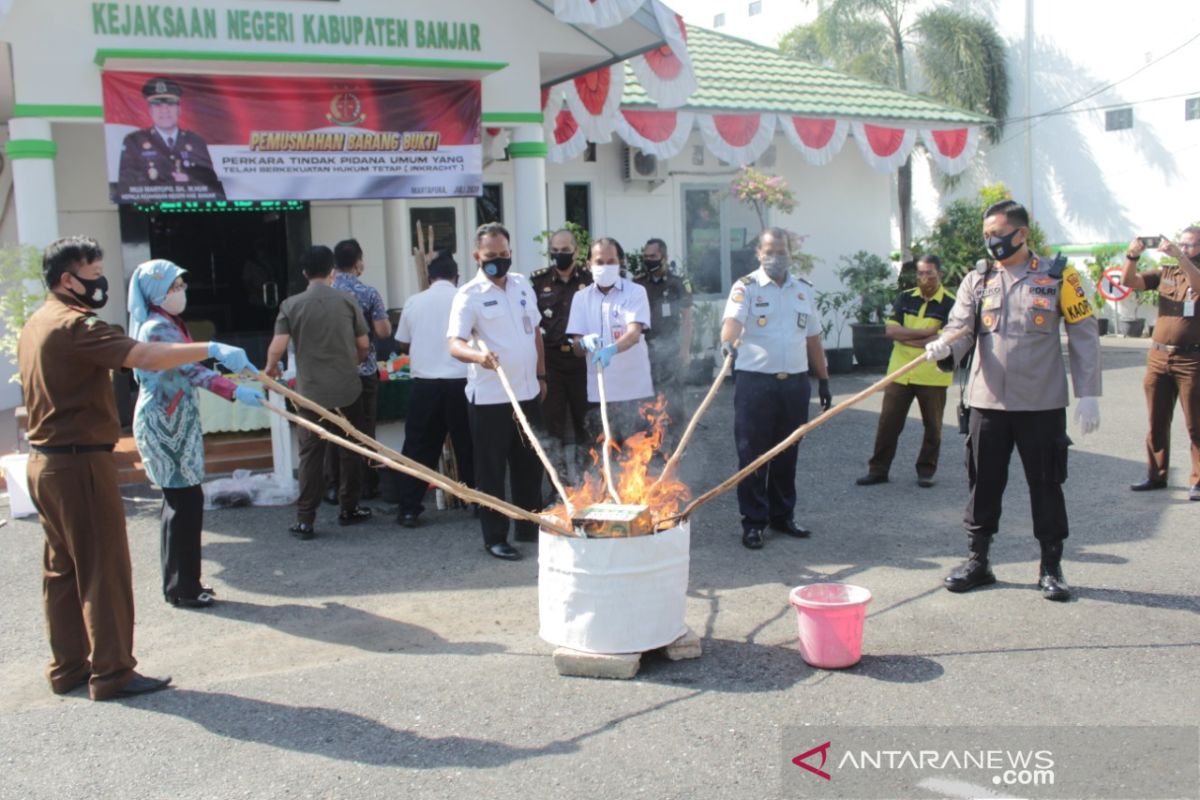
746 280
537 273
804 280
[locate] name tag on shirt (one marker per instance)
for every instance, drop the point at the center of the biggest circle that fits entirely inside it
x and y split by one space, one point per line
802 320
528 324
666 309
1189 308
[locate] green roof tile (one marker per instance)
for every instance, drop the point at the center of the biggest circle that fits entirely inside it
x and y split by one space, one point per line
733 75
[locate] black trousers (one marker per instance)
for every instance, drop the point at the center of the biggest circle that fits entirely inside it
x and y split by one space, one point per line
369 414
500 448
766 409
566 397
312 461
179 544
1040 438
435 408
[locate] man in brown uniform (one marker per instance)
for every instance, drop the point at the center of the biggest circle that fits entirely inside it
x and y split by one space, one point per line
566 375
65 356
1173 365
670 335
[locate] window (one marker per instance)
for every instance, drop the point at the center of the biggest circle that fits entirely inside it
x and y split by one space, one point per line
489 206
1191 108
756 8
1118 119
719 21
577 199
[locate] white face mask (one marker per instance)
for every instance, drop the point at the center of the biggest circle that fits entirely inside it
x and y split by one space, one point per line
606 275
174 302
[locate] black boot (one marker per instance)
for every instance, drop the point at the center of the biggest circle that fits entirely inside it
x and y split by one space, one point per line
975 570
1050 576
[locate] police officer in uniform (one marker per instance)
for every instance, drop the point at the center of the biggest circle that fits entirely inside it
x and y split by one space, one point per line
566 375
1018 393
771 327
670 334
164 155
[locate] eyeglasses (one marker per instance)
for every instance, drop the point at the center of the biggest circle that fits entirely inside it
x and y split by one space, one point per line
1189 246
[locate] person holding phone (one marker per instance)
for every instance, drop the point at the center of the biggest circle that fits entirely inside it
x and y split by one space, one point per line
1173 363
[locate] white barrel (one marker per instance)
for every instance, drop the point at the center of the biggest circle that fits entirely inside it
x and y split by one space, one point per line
626 595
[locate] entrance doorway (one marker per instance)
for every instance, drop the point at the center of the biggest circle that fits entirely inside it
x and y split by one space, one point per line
720 236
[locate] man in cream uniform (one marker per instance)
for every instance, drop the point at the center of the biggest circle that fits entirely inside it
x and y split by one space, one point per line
494 323
607 321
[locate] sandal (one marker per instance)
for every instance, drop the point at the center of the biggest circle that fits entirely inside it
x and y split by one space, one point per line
303 530
202 600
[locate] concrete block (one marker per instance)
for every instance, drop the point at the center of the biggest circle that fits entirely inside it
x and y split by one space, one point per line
622 666
686 646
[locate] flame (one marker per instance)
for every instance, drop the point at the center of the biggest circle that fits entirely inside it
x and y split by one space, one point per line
637 483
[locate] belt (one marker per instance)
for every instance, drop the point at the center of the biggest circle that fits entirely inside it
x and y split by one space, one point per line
782 376
72 449
562 348
1172 348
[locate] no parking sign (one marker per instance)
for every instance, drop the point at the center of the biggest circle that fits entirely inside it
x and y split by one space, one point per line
1110 285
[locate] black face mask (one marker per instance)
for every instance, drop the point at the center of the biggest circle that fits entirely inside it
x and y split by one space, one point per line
652 264
563 261
95 292
1002 247
496 267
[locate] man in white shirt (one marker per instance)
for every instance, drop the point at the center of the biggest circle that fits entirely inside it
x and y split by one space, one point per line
494 323
437 404
607 321
772 329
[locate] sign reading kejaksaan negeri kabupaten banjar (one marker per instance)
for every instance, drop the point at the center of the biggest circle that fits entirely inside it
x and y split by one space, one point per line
171 137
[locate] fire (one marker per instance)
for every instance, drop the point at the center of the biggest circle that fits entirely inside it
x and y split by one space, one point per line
637 483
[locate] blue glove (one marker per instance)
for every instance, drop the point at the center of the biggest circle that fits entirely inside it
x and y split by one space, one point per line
248 395
234 358
604 355
590 342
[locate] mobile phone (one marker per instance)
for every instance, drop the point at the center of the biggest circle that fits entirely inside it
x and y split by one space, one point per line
1150 242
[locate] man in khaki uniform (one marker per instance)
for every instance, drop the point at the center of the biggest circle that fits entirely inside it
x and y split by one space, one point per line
65 356
1018 393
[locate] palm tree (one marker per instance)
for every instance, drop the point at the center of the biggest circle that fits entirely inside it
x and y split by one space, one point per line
960 58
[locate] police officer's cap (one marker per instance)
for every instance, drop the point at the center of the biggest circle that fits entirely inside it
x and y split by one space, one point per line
161 89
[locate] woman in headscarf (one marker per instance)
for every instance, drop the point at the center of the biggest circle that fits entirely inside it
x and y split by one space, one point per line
166 427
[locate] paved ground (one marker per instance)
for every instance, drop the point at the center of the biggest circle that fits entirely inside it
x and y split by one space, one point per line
376 662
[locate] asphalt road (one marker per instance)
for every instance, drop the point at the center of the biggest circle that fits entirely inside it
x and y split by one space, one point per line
379 662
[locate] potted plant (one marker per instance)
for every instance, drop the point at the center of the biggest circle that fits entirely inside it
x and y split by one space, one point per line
833 307
761 192
870 281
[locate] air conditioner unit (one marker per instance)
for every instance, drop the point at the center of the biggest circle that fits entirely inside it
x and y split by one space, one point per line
639 166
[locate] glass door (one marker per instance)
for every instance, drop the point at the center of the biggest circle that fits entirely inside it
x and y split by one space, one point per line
720 235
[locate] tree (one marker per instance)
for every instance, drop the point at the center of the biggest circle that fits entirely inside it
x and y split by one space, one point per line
960 61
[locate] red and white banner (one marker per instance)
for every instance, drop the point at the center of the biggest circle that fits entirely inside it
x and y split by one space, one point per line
738 139
666 73
659 133
595 99
818 140
600 13
564 138
225 137
885 149
952 149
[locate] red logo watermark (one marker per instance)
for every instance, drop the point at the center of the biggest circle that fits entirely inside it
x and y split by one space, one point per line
823 749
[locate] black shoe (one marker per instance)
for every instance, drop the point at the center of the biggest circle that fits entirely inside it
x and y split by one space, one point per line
1147 485
791 529
331 496
925 482
1194 492
871 480
202 600
359 514
408 521
1053 584
143 684
970 574
303 530
504 550
752 538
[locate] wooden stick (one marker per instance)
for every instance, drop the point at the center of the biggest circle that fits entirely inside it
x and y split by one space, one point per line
606 465
399 462
800 432
695 421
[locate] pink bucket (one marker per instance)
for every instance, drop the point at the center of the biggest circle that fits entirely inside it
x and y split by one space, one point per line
830 616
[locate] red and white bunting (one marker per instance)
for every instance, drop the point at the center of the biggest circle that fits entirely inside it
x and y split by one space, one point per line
666 73
952 149
818 140
659 133
885 149
564 138
600 13
738 139
595 100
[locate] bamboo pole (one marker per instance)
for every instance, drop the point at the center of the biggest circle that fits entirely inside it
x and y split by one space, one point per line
695 421
397 461
606 464
803 430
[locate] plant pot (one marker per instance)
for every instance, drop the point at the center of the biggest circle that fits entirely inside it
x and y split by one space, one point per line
1132 327
840 360
871 347
1103 323
700 371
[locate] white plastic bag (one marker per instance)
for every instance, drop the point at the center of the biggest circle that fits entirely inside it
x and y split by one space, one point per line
244 488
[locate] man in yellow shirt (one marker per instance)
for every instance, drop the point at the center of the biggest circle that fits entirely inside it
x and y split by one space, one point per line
918 318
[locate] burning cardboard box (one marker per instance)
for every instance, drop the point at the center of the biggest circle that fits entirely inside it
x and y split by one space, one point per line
611 521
